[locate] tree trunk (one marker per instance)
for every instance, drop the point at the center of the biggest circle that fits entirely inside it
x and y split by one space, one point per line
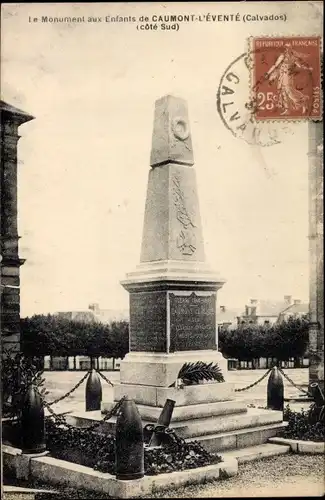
113 364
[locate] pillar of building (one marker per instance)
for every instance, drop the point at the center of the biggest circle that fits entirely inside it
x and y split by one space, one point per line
11 119
316 253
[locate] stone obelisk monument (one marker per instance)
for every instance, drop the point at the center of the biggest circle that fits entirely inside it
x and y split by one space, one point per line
173 290
173 305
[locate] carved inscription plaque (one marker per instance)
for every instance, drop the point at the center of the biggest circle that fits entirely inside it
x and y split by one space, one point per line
148 321
192 322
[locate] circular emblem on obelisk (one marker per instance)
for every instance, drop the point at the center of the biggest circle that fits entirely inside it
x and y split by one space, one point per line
180 128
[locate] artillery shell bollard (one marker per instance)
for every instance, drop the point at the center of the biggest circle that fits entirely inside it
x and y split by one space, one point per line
129 444
164 420
275 390
93 392
33 423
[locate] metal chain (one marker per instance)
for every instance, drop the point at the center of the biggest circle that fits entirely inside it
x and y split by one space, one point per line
61 420
78 384
293 383
254 383
104 378
71 391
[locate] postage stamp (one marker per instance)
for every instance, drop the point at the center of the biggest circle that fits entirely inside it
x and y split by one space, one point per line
286 78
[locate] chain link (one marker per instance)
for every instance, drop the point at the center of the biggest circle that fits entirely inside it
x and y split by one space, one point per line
293 383
71 390
254 383
78 384
61 420
104 378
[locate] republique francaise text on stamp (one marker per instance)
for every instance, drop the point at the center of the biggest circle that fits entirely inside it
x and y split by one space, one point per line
286 77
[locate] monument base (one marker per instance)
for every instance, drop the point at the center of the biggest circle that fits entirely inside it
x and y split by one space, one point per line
161 369
188 395
237 427
208 411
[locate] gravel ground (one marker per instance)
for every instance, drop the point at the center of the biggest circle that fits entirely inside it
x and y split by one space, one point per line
283 476
287 475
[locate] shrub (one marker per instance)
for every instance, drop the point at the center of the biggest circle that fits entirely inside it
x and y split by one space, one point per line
18 372
300 427
44 335
97 450
170 458
282 341
78 445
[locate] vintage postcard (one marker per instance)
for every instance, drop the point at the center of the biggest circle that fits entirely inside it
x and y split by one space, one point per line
162 318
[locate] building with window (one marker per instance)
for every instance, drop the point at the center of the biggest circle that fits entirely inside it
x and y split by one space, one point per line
298 309
227 318
268 312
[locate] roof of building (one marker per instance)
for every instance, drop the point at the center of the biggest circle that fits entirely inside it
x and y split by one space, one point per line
18 113
102 315
227 316
271 307
302 308
108 315
77 315
274 308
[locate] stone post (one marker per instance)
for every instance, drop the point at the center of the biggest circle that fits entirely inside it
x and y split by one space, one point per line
11 119
316 254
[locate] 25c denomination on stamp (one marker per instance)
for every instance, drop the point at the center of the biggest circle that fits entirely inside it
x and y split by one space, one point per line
286 78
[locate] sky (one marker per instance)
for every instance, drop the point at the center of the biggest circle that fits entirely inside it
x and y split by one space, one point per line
84 159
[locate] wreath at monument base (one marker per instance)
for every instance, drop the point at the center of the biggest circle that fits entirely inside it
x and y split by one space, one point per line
197 373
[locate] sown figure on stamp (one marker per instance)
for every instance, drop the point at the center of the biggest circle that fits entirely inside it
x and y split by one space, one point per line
283 72
286 78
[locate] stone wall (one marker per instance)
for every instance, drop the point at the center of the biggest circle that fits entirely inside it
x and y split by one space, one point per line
11 119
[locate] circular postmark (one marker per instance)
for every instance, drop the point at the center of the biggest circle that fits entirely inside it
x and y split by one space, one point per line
241 100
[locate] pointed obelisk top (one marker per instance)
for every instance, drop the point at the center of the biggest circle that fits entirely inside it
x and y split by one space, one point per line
171 137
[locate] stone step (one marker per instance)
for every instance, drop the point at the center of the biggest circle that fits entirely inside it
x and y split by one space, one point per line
251 453
188 412
240 438
299 399
83 419
254 417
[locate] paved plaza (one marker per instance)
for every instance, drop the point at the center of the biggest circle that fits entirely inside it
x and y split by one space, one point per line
59 383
